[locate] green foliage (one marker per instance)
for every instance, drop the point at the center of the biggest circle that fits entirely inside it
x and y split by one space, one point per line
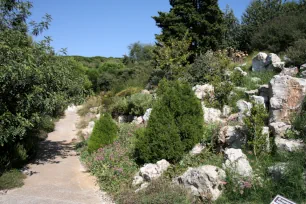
128 91
172 57
159 191
112 164
211 68
232 29
161 140
110 67
104 133
47 123
35 81
297 52
264 25
140 52
175 124
136 104
291 185
202 20
257 13
254 125
11 179
277 34
91 102
299 124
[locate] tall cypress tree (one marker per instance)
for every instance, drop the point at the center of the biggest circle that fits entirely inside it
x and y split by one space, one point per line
202 19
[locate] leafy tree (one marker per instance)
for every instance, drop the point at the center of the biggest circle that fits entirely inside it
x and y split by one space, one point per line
257 14
277 34
254 125
202 19
232 29
175 124
297 52
172 57
105 132
35 82
140 52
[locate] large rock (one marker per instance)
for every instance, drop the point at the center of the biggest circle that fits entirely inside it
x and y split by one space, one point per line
273 62
150 172
263 91
303 74
138 120
212 115
204 91
259 62
205 181
279 129
244 108
88 130
232 136
286 96
289 145
278 171
237 163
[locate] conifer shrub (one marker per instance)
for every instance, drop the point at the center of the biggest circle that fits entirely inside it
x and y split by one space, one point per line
104 133
174 127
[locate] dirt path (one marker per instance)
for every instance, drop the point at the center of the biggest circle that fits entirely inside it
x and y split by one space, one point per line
57 174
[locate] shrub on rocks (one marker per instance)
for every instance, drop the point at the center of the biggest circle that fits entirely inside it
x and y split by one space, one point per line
104 133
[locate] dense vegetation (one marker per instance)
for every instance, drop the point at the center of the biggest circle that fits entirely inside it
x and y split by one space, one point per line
198 44
36 84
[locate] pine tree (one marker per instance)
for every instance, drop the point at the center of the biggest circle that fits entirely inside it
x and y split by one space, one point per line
202 19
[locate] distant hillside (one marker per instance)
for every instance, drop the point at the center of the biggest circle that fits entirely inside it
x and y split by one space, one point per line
97 61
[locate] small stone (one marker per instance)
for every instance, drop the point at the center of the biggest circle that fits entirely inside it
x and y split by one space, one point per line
204 91
237 162
243 73
255 79
226 111
303 67
251 93
197 149
290 71
258 100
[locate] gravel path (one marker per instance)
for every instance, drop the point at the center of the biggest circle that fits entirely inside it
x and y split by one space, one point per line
57 176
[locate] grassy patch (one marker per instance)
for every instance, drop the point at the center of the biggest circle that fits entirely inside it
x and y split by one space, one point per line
160 191
91 102
263 188
113 165
11 179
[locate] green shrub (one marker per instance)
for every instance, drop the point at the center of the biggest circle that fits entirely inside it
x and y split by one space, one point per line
113 165
104 133
160 191
47 123
262 188
175 124
128 91
139 103
11 179
161 140
120 106
254 125
297 52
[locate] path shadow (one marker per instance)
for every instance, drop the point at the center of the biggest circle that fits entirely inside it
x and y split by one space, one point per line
50 151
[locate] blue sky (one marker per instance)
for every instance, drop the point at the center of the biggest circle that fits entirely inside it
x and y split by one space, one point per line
105 27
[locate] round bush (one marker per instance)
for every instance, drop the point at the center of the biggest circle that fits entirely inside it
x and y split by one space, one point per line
174 127
104 133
